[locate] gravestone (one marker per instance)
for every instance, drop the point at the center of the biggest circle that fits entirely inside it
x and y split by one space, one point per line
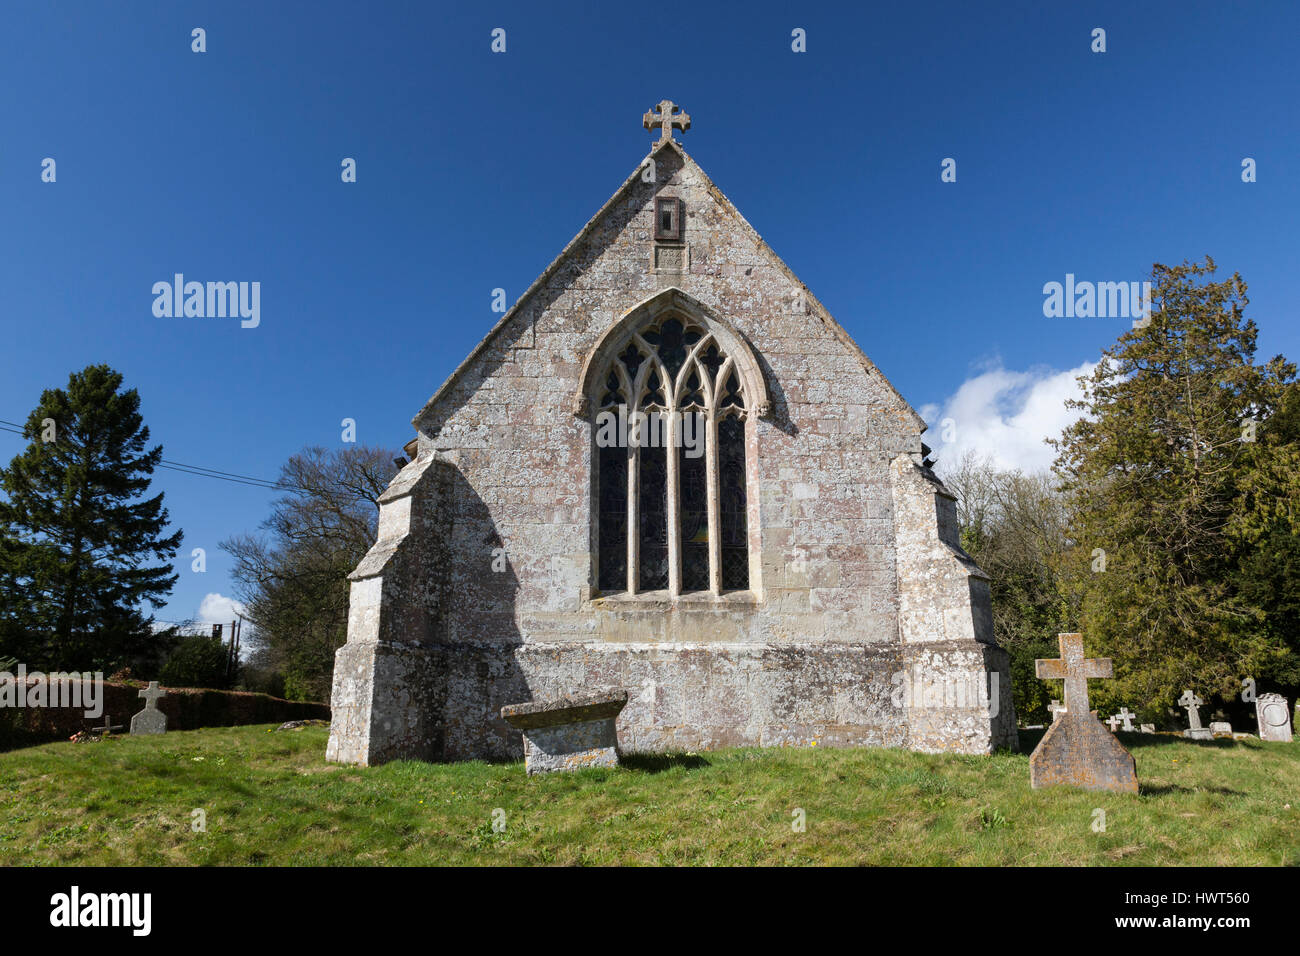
568 733
151 720
1274 717
1125 716
1220 728
1190 702
1114 720
1077 751
1147 729
1056 707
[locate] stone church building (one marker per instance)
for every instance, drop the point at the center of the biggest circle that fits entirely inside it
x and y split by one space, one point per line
668 469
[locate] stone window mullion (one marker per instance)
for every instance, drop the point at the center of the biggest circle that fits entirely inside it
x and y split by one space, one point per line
674 501
633 519
715 506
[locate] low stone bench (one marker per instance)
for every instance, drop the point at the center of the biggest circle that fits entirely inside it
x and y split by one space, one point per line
568 733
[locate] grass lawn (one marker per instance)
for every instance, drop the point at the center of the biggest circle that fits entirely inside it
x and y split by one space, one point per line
270 798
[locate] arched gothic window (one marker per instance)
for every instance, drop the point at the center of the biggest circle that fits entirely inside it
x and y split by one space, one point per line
670 464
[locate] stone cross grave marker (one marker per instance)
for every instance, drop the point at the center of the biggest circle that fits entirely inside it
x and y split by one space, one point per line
1114 720
151 720
1077 751
666 118
1274 717
108 727
1125 716
1056 708
1190 702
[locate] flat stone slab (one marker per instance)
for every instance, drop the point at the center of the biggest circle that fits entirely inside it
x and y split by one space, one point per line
1077 751
573 732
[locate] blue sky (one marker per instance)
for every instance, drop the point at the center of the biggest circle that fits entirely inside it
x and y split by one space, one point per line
475 168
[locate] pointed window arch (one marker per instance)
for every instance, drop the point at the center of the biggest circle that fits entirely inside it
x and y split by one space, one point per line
674 393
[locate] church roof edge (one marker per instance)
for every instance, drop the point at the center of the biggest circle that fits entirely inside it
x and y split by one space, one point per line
838 330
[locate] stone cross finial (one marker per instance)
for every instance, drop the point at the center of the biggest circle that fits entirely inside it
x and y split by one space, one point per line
1074 669
1114 721
1056 707
151 695
666 118
1125 716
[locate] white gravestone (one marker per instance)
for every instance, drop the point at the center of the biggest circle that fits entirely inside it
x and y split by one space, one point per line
151 720
1274 717
1125 716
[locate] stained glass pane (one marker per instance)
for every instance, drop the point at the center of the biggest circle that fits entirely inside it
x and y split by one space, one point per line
631 359
654 519
730 394
613 519
694 506
731 498
712 360
670 346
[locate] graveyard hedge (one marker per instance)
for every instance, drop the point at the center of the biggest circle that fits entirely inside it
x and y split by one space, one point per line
187 708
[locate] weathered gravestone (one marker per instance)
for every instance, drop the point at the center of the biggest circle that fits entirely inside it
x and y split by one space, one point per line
1077 751
568 733
1113 721
1190 702
1125 716
1274 717
1055 708
1220 728
1147 729
151 720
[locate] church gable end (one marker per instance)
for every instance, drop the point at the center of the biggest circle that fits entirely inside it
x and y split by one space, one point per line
669 470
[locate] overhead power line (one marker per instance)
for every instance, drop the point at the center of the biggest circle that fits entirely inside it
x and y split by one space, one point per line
183 468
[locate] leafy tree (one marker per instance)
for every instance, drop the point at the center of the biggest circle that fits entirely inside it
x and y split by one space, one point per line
1177 502
294 580
198 660
81 547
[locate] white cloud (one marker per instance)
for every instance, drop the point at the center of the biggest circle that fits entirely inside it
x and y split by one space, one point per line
218 609
1005 416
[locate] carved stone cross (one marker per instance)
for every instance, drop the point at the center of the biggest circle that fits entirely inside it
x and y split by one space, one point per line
1114 721
151 720
1076 751
1074 669
1056 707
666 118
1190 701
1125 716
151 695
